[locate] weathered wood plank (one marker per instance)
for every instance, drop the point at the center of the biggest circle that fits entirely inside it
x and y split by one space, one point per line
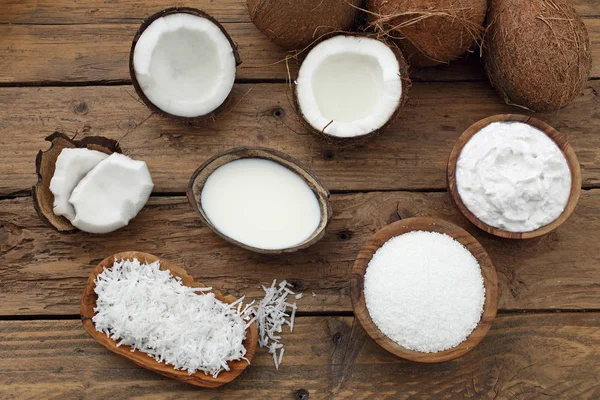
523 356
411 155
95 11
44 272
121 11
100 52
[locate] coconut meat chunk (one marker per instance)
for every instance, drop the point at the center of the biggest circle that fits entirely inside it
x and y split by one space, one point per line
111 194
184 64
71 166
349 86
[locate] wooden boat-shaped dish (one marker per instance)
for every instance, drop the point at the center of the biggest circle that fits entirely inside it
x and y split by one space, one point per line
88 302
490 281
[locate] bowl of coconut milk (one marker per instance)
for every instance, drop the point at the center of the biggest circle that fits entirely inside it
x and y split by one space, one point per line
514 176
260 199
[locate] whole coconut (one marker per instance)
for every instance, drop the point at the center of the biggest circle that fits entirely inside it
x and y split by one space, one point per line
429 32
537 52
295 24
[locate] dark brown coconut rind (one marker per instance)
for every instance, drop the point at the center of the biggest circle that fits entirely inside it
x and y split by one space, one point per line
294 25
429 32
177 10
45 164
537 55
346 141
200 176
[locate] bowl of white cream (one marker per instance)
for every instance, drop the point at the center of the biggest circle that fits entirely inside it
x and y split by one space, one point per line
260 199
514 176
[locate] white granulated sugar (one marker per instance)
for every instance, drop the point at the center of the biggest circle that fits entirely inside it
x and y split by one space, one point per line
146 308
512 176
425 291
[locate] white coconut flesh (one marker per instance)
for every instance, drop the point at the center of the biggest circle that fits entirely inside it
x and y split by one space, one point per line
349 86
111 194
184 64
71 166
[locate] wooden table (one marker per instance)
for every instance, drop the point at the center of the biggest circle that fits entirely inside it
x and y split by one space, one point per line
63 66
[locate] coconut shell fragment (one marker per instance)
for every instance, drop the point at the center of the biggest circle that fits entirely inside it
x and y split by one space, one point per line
429 32
45 163
295 24
537 53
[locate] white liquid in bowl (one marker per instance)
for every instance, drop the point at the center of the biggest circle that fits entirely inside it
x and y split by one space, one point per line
260 203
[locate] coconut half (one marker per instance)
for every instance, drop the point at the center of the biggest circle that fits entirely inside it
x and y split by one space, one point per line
183 63
351 87
45 163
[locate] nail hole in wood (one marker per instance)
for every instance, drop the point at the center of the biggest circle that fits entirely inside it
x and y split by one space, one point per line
329 154
278 112
345 235
302 394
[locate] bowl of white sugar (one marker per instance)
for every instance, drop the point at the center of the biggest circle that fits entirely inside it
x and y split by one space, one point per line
424 289
514 176
260 199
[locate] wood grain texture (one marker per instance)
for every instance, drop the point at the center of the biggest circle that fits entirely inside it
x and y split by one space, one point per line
95 11
554 135
201 175
44 272
100 53
90 41
88 304
412 154
523 357
490 282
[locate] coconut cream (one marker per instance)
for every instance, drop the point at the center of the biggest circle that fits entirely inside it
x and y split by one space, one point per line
260 203
514 177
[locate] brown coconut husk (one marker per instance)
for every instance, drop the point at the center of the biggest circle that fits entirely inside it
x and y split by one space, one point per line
429 32
227 104
347 141
537 53
295 24
45 165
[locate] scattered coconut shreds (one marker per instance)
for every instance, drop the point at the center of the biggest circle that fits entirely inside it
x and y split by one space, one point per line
314 294
271 314
146 308
299 296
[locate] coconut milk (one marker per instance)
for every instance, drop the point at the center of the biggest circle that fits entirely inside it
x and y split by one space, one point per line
260 203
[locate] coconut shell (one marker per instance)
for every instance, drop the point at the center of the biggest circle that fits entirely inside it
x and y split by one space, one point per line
45 164
346 141
537 53
177 10
429 32
295 24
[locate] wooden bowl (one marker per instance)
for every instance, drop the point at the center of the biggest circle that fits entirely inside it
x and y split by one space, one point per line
199 177
560 141
88 303
430 225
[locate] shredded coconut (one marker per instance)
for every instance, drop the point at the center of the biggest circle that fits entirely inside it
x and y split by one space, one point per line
142 306
424 290
272 314
146 308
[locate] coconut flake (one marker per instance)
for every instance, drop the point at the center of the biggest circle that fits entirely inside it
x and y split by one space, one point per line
142 306
271 314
